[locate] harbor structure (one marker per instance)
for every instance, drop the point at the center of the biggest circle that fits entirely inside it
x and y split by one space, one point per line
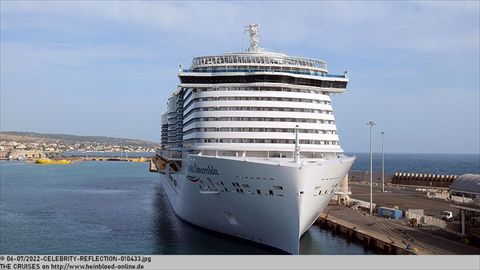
467 186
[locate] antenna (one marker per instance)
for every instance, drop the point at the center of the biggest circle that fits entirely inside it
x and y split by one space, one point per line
254 38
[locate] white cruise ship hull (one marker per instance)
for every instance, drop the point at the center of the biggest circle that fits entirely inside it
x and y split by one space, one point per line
264 201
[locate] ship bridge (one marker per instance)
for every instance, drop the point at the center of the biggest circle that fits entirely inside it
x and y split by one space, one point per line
258 65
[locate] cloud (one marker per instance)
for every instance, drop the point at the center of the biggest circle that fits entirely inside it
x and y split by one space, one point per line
119 53
352 26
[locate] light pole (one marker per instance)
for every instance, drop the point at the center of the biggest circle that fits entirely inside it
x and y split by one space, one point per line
371 124
383 166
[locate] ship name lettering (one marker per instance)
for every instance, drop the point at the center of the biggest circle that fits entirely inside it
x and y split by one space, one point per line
210 170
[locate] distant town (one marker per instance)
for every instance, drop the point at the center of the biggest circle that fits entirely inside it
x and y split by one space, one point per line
29 145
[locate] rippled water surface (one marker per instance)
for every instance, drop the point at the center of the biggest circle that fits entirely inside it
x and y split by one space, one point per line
112 208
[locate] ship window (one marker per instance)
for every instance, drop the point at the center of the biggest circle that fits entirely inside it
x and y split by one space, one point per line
270 192
259 192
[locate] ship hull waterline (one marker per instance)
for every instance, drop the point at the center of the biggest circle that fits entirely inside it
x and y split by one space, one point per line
270 203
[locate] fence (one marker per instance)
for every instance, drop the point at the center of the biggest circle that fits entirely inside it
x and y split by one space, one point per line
459 199
428 220
359 203
421 179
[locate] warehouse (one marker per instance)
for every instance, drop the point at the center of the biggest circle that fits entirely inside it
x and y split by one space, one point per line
466 186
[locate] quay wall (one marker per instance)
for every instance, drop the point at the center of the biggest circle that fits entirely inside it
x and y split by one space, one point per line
368 239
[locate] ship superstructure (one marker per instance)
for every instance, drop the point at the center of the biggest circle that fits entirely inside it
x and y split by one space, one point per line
250 146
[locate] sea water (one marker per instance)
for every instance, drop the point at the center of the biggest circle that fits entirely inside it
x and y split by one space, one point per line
112 208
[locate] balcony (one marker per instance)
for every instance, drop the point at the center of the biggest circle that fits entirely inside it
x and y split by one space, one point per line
223 70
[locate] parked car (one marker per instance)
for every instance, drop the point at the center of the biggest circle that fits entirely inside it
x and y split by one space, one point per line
446 215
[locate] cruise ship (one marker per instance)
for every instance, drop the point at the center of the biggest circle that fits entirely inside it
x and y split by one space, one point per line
250 146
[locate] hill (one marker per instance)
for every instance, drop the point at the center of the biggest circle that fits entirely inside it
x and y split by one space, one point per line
66 138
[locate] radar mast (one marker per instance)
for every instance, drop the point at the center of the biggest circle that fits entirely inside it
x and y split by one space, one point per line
254 37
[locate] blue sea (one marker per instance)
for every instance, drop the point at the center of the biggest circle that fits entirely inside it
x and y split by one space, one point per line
456 164
112 208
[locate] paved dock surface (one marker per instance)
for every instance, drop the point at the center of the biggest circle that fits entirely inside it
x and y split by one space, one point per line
425 240
403 197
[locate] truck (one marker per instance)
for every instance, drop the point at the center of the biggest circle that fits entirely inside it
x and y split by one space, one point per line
446 215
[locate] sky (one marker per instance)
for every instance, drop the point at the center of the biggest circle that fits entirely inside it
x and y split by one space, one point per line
106 68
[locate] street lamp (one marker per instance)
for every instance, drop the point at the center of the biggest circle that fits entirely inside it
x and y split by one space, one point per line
371 124
383 165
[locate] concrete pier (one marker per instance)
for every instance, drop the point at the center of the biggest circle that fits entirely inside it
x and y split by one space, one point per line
396 236
98 158
358 227
390 236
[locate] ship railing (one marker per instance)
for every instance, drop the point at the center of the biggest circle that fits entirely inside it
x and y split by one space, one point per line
219 70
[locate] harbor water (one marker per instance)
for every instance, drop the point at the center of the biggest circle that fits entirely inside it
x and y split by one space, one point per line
112 208
120 208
